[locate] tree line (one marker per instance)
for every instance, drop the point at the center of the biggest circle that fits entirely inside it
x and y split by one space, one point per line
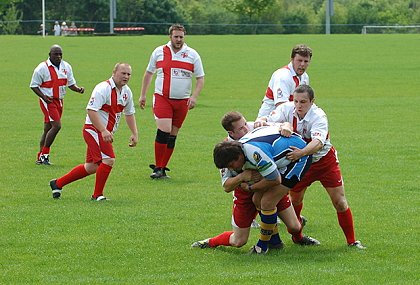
212 16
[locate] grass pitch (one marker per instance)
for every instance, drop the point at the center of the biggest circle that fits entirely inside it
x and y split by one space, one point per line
367 84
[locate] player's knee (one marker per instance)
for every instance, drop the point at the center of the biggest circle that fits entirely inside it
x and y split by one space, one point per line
109 161
162 137
341 205
238 241
91 168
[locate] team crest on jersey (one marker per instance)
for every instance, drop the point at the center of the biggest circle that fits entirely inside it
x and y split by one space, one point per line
279 93
125 97
184 54
65 71
257 157
91 101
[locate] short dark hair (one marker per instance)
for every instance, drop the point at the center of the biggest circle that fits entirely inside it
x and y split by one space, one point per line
226 152
177 27
305 89
302 50
229 118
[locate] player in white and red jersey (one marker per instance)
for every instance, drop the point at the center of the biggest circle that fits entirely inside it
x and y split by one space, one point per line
109 100
175 64
311 123
244 210
284 80
49 82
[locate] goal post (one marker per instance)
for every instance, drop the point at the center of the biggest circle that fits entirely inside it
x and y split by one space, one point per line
410 29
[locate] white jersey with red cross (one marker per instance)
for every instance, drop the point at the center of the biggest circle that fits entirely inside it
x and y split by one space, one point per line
175 70
313 126
280 88
52 81
110 103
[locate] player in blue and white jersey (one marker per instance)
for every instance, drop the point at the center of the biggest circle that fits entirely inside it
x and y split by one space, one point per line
265 150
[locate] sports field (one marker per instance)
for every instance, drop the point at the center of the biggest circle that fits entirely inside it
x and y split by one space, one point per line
367 84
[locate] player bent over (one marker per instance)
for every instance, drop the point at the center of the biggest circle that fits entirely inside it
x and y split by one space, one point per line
109 100
244 210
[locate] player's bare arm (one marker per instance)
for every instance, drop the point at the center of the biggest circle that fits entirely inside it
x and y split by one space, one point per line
41 95
309 149
261 185
247 176
77 89
147 79
131 123
192 101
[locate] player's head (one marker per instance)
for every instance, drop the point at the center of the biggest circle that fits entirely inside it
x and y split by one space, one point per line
301 58
56 54
229 154
235 124
121 74
176 35
302 50
303 98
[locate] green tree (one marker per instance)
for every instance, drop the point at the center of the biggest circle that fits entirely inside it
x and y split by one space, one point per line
155 15
250 10
11 20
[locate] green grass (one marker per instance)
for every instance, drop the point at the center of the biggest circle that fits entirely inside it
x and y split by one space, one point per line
368 85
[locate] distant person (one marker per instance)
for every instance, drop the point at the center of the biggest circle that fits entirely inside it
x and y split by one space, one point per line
311 123
57 29
41 30
176 64
284 80
109 100
49 82
64 28
73 31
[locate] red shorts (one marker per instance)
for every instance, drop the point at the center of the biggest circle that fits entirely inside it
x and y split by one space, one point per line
175 109
244 211
97 148
52 111
326 170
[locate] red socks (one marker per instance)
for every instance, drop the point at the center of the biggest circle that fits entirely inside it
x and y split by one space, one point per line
222 239
45 150
298 210
75 174
166 157
160 150
345 219
102 174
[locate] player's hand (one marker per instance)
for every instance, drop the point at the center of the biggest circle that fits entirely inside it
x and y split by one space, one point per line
133 141
81 90
191 103
142 102
246 187
285 130
107 136
46 99
260 123
295 154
